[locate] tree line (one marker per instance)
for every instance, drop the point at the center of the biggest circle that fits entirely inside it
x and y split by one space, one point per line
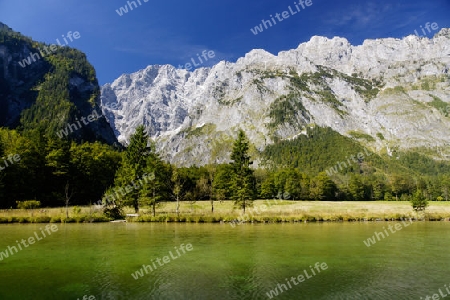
60 172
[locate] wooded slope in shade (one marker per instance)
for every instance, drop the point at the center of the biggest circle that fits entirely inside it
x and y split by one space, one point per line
48 90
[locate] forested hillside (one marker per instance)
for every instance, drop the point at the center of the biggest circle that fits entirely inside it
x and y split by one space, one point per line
47 145
370 176
48 90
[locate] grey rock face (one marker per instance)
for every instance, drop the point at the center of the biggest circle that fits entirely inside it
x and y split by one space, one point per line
19 88
388 89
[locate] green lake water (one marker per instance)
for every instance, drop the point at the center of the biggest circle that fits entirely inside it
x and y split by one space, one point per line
244 262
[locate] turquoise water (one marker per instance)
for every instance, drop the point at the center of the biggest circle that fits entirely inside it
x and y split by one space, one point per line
244 262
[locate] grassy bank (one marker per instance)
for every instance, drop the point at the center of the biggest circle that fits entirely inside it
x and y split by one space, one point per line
270 211
53 215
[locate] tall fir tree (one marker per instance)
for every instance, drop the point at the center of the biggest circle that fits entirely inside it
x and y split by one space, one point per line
243 180
157 188
134 164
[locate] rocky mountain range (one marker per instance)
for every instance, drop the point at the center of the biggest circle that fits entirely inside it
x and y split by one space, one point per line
386 93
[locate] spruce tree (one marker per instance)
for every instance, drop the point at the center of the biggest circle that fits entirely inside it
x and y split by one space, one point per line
134 165
418 201
243 180
158 187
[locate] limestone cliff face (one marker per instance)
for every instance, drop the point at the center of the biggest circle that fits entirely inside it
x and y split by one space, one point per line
387 93
21 85
16 81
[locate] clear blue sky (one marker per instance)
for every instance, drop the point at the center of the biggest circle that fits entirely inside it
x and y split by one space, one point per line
174 31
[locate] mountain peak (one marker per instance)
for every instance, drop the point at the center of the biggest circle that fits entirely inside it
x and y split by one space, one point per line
4 26
445 32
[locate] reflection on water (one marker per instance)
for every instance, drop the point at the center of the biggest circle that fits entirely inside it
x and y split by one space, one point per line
245 262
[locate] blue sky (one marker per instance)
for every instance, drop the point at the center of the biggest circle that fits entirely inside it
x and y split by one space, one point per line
174 31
